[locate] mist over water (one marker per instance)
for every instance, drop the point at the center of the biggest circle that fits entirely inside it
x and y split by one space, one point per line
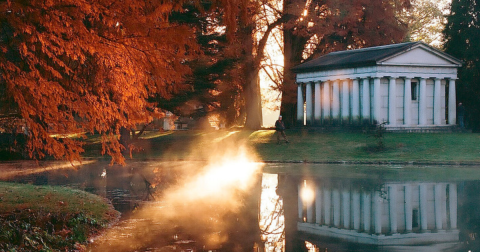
211 204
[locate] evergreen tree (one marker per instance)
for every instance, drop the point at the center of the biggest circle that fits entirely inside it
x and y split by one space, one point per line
211 79
462 34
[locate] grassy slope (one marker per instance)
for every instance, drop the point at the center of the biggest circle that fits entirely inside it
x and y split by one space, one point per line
44 218
400 147
312 146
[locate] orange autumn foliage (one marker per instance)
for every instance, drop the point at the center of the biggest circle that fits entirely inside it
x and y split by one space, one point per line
88 66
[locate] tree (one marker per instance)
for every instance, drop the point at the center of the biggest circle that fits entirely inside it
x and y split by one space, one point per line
225 75
461 35
252 54
227 32
324 26
209 79
88 66
426 21
248 36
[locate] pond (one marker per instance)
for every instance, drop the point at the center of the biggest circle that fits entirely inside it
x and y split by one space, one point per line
194 206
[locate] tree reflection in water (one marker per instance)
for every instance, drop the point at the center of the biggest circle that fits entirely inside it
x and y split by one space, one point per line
271 214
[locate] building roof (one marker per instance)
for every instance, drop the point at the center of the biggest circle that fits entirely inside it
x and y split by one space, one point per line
369 56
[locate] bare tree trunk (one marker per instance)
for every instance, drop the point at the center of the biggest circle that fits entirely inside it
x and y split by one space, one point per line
253 100
125 139
294 46
289 95
288 107
293 49
137 135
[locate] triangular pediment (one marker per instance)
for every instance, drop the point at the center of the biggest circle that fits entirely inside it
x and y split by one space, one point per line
420 56
403 54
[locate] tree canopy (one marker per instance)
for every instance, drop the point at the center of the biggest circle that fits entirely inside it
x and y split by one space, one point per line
88 66
426 21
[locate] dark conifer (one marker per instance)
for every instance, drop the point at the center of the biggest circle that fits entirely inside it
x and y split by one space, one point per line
462 34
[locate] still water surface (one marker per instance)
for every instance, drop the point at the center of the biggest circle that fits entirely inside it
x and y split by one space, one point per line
175 206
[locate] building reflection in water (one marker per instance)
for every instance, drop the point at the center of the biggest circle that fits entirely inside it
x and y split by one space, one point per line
399 214
369 214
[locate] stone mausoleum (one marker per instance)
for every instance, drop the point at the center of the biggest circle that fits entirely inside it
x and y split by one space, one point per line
407 86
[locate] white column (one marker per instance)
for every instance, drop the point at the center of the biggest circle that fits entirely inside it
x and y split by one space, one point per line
299 104
327 204
366 100
422 116
317 107
438 206
345 100
367 211
356 210
378 213
318 204
310 212
437 103
408 208
392 101
407 102
346 208
336 207
336 101
392 208
452 103
376 99
326 101
423 207
300 202
452 201
309 103
355 101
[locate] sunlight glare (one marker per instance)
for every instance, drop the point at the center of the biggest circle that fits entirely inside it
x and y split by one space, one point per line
218 139
219 182
221 178
207 192
307 193
311 247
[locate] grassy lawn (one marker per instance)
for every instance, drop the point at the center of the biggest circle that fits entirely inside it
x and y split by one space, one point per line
44 218
399 147
309 146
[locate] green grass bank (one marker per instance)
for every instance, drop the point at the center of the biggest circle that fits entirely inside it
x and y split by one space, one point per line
358 147
309 146
44 218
